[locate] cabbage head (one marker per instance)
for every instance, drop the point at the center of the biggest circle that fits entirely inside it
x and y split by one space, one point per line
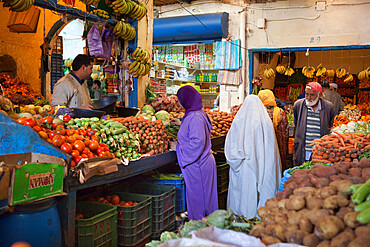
162 115
148 108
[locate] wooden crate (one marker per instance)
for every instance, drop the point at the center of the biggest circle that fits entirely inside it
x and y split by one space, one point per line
24 22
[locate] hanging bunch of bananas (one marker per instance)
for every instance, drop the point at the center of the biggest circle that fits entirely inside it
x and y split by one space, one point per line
90 2
348 78
340 72
124 31
321 70
141 66
364 75
101 13
18 5
269 73
138 11
120 6
308 71
289 71
330 73
280 69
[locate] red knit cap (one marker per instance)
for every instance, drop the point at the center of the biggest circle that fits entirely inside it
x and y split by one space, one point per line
315 86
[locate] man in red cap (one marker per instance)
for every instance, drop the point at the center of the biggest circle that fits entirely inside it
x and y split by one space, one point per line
313 118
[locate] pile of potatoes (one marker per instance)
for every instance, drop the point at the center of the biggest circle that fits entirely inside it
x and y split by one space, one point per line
221 122
320 176
322 217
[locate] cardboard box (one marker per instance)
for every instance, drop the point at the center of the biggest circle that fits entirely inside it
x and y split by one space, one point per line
10 161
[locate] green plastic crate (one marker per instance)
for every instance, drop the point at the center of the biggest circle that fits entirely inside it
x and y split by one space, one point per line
163 203
99 227
134 224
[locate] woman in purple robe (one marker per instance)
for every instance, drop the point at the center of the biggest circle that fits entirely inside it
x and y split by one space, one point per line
195 157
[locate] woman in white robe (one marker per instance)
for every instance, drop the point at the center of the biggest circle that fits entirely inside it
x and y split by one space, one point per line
252 152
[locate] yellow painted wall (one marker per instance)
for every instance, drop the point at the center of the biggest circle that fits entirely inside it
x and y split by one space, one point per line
25 47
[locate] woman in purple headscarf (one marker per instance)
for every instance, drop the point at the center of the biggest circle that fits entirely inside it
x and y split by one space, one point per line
195 157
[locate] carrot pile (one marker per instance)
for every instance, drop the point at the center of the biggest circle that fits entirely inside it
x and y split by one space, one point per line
340 147
338 120
152 135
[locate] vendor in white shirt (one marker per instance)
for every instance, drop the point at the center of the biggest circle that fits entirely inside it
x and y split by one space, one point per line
71 90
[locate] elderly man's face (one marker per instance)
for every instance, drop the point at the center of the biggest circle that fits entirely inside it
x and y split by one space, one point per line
311 95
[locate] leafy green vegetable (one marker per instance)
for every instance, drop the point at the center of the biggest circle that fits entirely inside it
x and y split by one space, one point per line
365 155
305 165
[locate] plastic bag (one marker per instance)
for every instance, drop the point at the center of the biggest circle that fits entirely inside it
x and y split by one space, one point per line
95 42
107 41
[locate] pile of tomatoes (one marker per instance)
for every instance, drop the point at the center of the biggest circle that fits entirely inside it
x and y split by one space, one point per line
111 200
78 143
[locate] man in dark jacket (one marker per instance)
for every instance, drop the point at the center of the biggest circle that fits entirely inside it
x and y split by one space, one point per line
313 118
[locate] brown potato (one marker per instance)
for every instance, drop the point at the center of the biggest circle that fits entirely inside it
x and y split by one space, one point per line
263 211
348 229
291 227
311 240
343 211
342 239
341 185
295 236
296 203
350 219
269 219
304 191
268 240
332 202
271 203
294 217
326 192
275 230
281 218
313 202
305 224
359 242
282 203
362 231
324 243
316 215
328 227
258 230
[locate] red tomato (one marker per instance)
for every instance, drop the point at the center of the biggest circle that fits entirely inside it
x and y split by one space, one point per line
82 132
126 205
78 137
85 150
84 156
63 138
108 154
94 145
100 150
94 138
106 149
102 154
57 141
75 153
87 142
66 147
71 139
90 155
60 131
134 203
42 134
73 163
30 122
103 144
77 159
52 134
130 203
22 120
47 119
79 145
90 132
66 118
69 132
37 128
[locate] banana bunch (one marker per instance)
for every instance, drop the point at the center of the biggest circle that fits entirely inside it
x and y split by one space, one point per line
280 69
330 73
294 93
90 2
289 72
141 66
321 71
18 5
340 72
101 13
308 71
124 31
364 75
269 73
349 78
138 11
121 6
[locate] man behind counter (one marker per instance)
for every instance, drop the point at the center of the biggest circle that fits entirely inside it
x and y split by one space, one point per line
71 90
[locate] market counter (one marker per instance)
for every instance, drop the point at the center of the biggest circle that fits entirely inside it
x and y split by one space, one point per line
218 142
67 207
